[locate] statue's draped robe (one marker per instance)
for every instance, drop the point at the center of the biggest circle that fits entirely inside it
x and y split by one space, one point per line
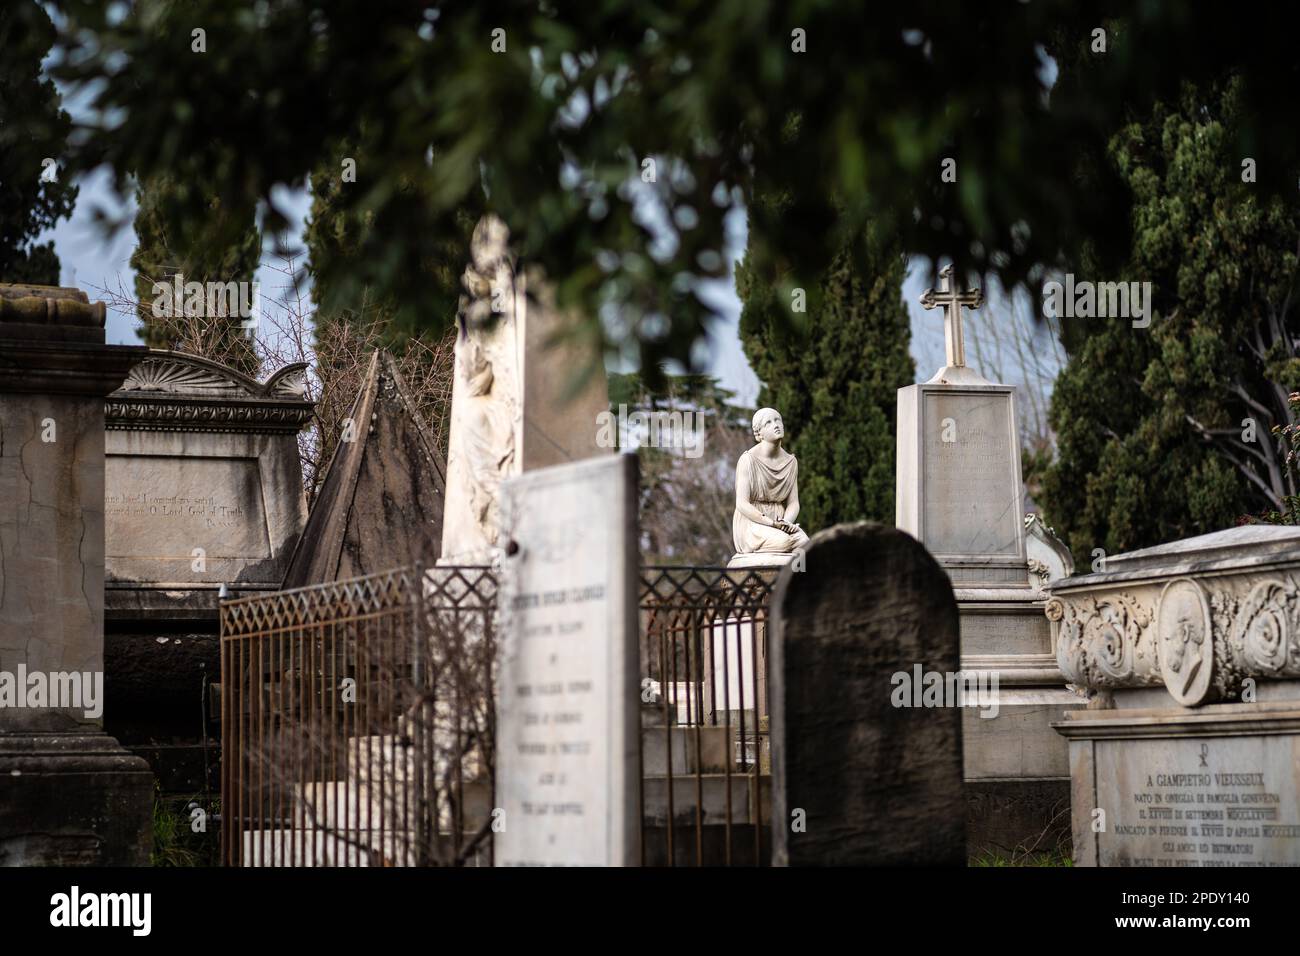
770 487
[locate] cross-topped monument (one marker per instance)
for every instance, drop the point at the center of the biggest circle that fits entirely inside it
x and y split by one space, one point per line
959 492
958 481
951 300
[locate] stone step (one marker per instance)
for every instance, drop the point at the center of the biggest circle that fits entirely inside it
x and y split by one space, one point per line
310 847
705 751
347 806
713 788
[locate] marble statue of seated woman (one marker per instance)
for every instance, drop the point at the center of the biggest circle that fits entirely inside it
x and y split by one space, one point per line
763 528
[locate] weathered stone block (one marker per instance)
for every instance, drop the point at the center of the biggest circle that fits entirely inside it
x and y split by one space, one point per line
871 782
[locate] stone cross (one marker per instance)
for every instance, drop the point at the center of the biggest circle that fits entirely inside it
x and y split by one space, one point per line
951 300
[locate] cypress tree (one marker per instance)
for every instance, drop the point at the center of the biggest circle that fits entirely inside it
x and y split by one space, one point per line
339 231
33 128
834 375
1167 431
167 245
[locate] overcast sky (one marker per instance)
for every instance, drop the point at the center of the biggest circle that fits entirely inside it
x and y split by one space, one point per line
92 262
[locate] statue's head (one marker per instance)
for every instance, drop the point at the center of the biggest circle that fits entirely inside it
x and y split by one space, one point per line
767 425
489 245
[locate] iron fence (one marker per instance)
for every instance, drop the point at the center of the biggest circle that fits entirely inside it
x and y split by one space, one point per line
357 724
705 754
358 720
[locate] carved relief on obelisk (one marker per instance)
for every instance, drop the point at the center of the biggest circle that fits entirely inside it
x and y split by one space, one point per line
515 403
487 399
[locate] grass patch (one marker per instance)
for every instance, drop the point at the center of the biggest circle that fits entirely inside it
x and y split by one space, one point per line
174 841
1058 857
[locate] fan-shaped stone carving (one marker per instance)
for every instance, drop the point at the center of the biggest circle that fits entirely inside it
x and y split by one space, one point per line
172 391
167 375
290 380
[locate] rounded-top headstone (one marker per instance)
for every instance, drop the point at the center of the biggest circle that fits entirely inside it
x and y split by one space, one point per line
857 778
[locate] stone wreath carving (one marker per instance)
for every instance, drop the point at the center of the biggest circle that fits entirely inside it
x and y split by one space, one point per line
1266 637
1103 641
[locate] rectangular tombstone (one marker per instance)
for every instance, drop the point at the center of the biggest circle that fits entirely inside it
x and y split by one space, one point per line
959 492
958 485
730 675
56 373
861 775
203 484
1187 791
1189 752
568 713
202 488
70 794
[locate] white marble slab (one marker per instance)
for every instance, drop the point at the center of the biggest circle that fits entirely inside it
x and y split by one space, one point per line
568 719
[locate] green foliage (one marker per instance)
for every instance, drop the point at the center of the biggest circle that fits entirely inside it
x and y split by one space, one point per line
174 841
1150 422
335 235
169 243
1289 435
835 381
1058 857
33 127
338 231
556 128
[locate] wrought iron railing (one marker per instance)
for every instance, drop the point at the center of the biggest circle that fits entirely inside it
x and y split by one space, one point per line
706 756
358 720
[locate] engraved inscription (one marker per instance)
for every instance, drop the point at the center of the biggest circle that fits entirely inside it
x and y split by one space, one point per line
565 760
556 734
1005 634
163 507
970 497
1199 802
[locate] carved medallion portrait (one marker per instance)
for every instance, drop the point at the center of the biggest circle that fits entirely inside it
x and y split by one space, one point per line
1186 643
